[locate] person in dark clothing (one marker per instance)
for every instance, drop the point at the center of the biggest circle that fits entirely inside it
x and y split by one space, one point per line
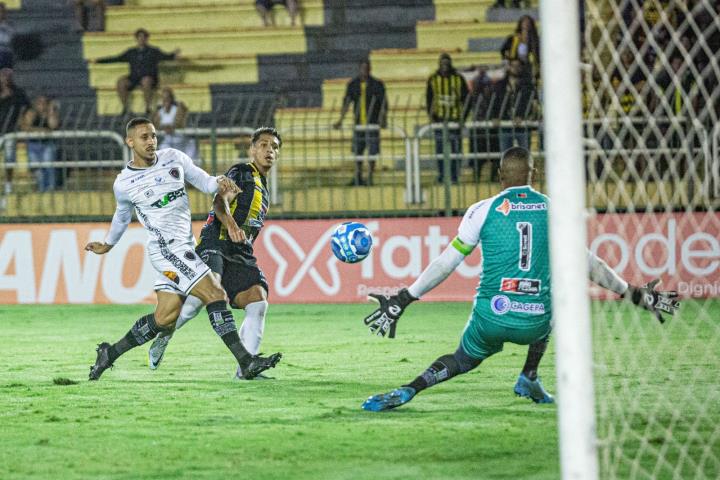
445 96
42 117
367 94
524 44
6 36
514 101
143 60
484 141
13 102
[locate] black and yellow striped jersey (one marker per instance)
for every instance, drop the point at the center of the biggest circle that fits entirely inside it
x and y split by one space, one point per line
249 210
445 96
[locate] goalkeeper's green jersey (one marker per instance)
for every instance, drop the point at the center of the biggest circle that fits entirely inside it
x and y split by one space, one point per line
512 232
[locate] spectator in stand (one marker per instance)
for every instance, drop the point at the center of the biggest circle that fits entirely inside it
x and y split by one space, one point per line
264 8
42 116
170 115
524 45
484 141
514 102
90 15
144 60
6 35
13 103
367 94
446 96
513 4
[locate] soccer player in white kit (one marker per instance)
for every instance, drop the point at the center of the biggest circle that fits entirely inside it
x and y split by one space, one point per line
153 183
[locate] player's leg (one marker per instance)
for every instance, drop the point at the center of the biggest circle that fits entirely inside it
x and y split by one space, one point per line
144 330
247 288
124 87
211 293
480 339
254 301
190 309
528 384
442 369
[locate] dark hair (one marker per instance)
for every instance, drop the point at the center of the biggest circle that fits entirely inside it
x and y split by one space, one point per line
516 153
134 123
256 134
141 31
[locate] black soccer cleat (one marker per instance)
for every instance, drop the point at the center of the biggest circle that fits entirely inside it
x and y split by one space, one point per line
258 364
102 362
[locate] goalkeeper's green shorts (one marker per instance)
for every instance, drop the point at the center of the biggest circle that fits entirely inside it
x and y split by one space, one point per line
483 337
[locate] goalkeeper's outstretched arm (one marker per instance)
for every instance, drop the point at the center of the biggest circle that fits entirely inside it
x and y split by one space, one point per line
384 319
646 297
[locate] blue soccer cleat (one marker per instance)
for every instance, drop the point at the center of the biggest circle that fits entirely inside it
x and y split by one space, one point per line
532 389
386 401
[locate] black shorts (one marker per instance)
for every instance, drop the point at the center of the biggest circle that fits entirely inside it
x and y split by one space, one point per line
236 277
369 139
135 82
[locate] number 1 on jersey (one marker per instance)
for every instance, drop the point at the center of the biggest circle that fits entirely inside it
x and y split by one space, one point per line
525 229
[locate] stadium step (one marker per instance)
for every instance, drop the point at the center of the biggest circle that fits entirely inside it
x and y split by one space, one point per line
193 43
455 35
409 63
196 97
213 16
188 70
461 10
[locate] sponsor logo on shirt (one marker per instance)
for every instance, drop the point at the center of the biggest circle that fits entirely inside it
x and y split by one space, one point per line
501 304
175 173
159 180
526 286
507 206
169 197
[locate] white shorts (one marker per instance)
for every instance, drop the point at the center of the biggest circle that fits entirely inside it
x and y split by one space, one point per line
179 268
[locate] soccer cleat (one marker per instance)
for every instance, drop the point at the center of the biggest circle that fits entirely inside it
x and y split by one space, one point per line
102 362
532 389
257 365
157 350
386 401
239 376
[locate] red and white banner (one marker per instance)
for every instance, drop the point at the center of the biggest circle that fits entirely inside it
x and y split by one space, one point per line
46 263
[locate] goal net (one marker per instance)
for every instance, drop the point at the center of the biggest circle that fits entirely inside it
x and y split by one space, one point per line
651 104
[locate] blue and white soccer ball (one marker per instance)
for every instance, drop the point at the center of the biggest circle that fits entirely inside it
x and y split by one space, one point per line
351 242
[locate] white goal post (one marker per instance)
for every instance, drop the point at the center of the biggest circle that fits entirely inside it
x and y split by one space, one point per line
560 41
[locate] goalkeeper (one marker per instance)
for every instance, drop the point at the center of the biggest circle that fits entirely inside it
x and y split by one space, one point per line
513 300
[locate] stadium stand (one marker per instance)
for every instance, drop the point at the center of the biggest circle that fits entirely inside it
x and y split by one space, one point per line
235 73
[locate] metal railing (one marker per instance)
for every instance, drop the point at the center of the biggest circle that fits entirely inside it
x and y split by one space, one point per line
317 161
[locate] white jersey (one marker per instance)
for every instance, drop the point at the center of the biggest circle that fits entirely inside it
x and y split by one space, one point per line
158 195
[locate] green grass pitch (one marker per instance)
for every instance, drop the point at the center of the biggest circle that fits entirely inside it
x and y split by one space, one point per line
190 420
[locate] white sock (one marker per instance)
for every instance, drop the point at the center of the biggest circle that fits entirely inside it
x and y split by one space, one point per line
190 309
251 331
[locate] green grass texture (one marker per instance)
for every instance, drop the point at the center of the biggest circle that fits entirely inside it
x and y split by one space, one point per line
189 419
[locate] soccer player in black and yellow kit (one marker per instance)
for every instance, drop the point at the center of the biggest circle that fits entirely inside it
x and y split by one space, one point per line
226 245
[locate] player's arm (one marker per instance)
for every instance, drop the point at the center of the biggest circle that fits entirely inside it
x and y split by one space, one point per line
221 205
120 221
646 296
384 319
199 178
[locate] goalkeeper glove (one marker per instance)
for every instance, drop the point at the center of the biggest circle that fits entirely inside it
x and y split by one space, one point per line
650 299
384 318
